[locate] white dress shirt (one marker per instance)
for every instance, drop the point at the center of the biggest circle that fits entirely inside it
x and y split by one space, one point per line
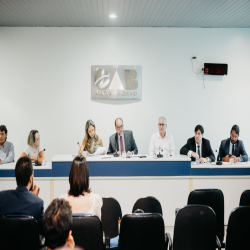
166 144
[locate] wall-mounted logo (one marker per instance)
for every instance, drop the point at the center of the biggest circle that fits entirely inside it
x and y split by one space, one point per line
116 82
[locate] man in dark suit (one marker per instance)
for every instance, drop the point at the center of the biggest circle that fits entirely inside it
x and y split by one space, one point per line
232 147
24 199
122 141
198 147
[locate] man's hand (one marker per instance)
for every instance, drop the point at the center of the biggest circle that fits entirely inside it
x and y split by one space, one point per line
226 158
0 161
119 153
195 155
129 153
36 189
203 160
234 157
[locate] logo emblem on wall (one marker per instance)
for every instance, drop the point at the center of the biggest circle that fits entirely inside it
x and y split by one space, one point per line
116 82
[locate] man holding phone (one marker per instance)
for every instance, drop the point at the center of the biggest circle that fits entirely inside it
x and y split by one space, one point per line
233 147
24 199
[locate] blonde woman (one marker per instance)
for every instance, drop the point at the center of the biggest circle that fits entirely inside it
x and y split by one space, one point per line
34 150
91 141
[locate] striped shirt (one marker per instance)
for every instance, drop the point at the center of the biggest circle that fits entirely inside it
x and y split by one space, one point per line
7 153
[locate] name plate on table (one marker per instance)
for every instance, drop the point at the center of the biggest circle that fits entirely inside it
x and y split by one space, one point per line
116 82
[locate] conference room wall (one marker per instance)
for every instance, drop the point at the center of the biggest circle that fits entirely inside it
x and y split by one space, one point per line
45 83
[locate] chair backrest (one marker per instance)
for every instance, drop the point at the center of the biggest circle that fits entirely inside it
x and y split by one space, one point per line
245 198
19 232
213 198
111 212
238 229
142 231
148 204
87 232
195 228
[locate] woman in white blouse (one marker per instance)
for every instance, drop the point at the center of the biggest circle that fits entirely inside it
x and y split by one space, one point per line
79 196
34 150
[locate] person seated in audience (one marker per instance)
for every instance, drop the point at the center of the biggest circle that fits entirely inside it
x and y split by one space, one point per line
91 141
24 199
122 140
79 196
161 141
233 147
57 221
198 147
34 150
7 153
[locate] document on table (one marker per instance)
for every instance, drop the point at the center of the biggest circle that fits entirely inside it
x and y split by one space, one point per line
99 151
140 156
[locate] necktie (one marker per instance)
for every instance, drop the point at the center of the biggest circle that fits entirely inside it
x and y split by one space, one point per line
233 150
121 143
199 153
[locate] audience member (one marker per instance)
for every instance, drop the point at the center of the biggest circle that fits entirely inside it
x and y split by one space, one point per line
7 153
34 150
57 223
24 199
79 196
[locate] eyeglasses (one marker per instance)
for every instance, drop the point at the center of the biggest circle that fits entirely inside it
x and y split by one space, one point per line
161 124
121 127
37 139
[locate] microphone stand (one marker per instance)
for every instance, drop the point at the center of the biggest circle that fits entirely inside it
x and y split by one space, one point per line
38 163
219 162
159 155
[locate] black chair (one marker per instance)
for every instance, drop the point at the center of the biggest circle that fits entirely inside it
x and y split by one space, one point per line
245 198
213 198
19 232
143 231
87 231
148 205
238 229
195 229
111 212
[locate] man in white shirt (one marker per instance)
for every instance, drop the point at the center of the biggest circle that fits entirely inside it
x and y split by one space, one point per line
161 141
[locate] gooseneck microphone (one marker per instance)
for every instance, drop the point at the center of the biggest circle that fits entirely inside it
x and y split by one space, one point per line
219 162
38 163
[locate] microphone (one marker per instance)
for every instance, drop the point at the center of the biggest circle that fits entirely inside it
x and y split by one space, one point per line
159 155
79 148
219 162
38 163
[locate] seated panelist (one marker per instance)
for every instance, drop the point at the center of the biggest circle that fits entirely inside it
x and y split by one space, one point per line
91 141
198 147
7 153
34 150
233 147
122 140
161 141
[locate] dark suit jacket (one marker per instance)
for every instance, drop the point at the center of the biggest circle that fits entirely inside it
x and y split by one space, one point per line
21 201
239 149
205 147
130 144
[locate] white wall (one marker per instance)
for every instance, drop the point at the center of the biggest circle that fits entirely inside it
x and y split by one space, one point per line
45 83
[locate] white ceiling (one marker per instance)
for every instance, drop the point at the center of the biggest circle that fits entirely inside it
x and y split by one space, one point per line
130 13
